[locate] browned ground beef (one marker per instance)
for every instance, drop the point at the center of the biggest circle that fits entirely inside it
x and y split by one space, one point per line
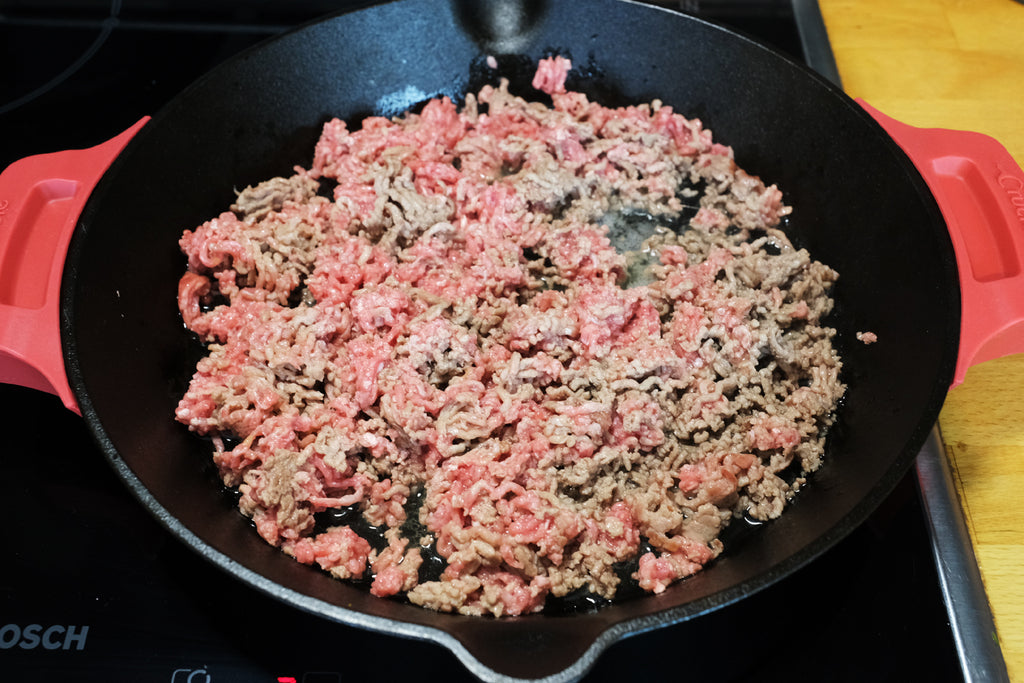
453 335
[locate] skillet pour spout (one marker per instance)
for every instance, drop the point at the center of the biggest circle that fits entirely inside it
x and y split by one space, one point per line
127 357
499 27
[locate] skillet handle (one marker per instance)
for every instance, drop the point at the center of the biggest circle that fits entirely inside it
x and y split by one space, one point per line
980 190
41 199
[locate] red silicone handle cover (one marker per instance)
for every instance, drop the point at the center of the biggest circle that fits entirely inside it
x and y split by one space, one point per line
41 198
979 188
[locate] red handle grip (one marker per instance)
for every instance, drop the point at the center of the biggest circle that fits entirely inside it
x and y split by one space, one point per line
980 190
41 198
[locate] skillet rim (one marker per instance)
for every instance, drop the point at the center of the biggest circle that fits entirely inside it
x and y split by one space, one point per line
617 629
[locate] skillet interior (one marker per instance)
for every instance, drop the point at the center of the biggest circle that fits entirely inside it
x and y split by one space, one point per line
858 206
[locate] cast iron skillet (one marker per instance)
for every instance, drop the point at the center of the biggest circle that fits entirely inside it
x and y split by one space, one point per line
859 205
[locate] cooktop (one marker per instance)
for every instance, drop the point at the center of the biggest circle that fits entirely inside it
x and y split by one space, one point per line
93 589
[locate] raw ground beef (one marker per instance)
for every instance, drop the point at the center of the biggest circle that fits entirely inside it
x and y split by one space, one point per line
430 369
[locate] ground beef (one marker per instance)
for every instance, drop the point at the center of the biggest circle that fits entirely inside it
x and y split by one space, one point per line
525 351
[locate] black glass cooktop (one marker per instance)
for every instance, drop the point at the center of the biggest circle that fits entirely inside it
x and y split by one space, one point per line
93 589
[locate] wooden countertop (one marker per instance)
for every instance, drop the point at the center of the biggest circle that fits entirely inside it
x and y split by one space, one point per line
959 64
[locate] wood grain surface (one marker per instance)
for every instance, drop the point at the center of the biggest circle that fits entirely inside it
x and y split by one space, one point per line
959 64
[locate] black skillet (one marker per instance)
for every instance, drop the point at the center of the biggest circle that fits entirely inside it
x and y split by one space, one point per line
859 205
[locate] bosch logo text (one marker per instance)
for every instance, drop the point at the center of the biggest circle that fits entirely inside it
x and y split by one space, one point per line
35 636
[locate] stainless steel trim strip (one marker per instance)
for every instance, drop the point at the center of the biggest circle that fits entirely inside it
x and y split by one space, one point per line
814 39
970 616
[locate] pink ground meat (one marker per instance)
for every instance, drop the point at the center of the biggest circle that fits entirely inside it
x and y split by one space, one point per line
432 332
